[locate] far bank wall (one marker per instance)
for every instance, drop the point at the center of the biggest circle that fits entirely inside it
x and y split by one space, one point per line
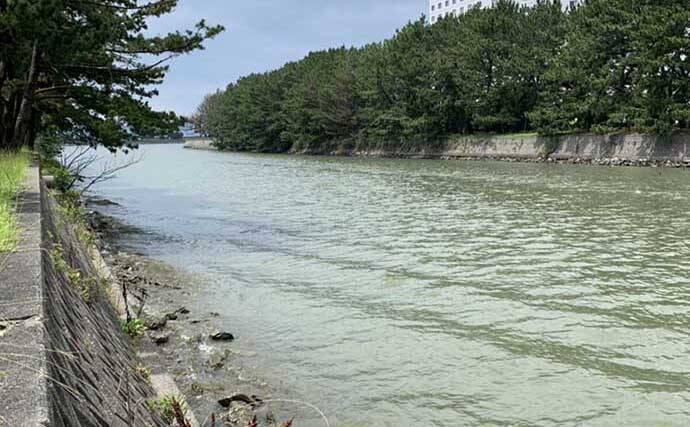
634 147
532 147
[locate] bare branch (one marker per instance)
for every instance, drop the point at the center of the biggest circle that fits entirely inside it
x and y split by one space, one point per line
68 160
80 160
50 89
108 172
178 49
120 70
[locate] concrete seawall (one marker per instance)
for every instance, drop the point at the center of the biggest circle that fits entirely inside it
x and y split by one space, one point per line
586 147
63 358
632 149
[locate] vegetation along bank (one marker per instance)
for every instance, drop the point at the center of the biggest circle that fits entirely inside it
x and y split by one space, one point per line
13 167
607 67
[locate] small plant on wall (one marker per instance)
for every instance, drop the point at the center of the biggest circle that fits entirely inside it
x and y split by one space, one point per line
171 408
133 327
86 286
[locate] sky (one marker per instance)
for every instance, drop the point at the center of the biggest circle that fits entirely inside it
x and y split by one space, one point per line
262 35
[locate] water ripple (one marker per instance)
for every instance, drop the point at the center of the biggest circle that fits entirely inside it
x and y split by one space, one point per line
438 293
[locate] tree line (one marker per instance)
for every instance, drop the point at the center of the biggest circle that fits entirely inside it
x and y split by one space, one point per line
83 70
606 66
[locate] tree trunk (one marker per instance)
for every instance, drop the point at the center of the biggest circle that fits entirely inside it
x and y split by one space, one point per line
2 74
33 128
8 120
29 131
24 115
3 105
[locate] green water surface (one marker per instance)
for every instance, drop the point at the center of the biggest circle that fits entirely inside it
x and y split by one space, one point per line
430 293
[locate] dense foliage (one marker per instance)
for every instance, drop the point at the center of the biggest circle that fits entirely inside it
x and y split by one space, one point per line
83 70
623 65
610 65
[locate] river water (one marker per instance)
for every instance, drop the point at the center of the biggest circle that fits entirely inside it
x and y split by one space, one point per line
430 293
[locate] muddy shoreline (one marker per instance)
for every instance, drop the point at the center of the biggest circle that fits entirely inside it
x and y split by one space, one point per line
205 361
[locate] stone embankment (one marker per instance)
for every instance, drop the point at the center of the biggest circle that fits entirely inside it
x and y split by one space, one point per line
63 359
609 150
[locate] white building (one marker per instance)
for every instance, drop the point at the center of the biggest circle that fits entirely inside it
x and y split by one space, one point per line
441 8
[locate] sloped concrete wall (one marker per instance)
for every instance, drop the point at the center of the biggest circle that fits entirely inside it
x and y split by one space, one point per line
91 365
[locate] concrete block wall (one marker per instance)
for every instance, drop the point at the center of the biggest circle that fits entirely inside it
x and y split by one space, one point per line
94 380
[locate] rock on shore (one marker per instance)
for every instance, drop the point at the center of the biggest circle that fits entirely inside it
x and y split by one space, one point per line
205 363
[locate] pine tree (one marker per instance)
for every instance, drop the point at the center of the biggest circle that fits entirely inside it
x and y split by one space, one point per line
608 66
75 68
624 66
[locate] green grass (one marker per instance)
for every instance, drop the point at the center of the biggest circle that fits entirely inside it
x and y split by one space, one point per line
13 166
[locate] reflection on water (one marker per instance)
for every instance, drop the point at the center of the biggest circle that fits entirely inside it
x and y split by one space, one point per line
394 292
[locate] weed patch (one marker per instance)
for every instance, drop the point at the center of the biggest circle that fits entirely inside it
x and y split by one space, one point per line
133 327
170 408
13 166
